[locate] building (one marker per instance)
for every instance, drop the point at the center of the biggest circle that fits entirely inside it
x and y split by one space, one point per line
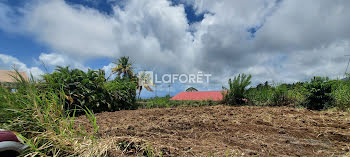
8 78
199 95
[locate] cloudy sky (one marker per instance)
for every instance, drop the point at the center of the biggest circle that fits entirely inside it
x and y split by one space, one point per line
274 40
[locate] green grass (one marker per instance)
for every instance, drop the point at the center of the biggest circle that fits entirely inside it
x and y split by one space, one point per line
164 102
39 117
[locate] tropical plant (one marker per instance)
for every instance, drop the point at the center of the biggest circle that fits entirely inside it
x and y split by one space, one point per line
236 93
319 94
37 114
144 81
81 89
123 67
91 90
191 89
261 95
124 92
341 94
280 96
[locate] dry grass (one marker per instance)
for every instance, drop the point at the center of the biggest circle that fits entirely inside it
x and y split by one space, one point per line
224 130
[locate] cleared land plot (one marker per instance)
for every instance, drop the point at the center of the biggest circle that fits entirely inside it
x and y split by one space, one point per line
221 130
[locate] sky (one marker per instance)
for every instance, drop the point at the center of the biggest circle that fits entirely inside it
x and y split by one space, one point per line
280 41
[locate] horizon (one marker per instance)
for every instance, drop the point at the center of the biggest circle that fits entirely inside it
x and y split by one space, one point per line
275 41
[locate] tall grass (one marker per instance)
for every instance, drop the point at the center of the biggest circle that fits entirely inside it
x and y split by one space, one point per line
260 96
38 115
341 94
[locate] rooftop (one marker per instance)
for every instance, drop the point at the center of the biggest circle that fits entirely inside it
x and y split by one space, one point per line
199 95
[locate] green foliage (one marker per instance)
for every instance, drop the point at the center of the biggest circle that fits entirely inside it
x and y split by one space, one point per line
124 93
237 91
297 95
319 94
123 67
91 90
261 95
37 114
156 102
341 94
164 102
280 96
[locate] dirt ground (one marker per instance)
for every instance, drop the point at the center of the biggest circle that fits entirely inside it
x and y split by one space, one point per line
225 130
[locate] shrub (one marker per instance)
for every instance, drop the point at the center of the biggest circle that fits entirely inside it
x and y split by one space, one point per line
236 93
296 96
341 94
280 96
319 94
261 95
124 93
91 90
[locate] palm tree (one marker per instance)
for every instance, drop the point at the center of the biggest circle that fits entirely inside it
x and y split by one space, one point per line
191 89
236 92
145 81
123 66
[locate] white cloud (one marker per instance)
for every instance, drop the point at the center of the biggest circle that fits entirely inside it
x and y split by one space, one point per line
297 39
8 63
108 70
148 31
56 59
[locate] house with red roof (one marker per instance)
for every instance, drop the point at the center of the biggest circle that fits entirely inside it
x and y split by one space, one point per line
199 95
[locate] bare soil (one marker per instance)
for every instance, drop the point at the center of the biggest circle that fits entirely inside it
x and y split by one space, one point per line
225 130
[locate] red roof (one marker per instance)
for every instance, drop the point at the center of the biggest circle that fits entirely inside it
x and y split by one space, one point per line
200 95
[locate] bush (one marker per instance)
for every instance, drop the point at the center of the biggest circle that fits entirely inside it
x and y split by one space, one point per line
297 94
319 94
237 92
124 91
91 90
280 96
341 94
261 95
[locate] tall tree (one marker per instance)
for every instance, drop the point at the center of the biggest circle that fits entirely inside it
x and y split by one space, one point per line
144 80
191 89
123 67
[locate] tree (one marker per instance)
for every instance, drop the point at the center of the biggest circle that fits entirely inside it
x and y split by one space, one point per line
145 81
319 94
123 67
236 93
191 89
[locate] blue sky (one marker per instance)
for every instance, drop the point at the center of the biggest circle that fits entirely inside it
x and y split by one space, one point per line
27 50
273 40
